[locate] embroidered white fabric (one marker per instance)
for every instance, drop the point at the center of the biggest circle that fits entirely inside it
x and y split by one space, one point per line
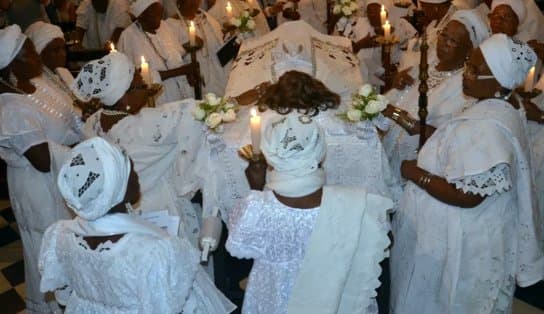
495 180
118 277
276 237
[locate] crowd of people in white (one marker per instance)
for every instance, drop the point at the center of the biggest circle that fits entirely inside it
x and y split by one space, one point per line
103 168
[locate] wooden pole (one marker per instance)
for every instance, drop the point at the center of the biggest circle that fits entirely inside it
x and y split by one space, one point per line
196 74
423 88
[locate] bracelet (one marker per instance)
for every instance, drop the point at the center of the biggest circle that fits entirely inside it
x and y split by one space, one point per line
424 180
395 116
406 123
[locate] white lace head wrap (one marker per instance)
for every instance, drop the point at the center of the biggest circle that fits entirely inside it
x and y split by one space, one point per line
137 7
518 6
294 145
11 42
475 24
42 34
508 59
107 79
95 178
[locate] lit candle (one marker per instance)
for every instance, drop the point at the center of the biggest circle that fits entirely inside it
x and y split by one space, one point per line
144 68
229 10
255 125
386 30
383 15
530 81
192 34
112 48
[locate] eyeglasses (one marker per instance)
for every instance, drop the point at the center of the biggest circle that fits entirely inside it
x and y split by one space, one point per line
471 73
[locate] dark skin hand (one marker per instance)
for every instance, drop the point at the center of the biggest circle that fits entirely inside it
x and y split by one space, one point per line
256 177
252 95
367 42
390 109
402 79
532 112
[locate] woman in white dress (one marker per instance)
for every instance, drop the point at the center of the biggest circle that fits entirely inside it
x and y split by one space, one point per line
156 40
465 31
520 19
465 233
34 126
293 229
109 261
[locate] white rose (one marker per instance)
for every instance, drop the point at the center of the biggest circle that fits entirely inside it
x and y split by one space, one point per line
383 100
199 113
211 99
250 24
229 116
245 14
354 115
346 10
236 22
374 106
337 9
365 90
353 6
213 120
229 105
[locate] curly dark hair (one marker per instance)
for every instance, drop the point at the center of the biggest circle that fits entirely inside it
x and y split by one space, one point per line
300 91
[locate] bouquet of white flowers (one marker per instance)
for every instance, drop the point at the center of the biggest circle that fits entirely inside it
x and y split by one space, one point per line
244 23
214 111
366 104
345 7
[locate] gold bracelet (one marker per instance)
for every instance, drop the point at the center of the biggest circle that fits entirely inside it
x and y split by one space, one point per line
395 116
424 180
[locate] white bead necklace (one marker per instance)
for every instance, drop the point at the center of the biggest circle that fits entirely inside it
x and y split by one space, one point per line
437 77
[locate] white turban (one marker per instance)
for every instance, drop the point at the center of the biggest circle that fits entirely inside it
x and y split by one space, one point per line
11 42
42 34
518 6
107 79
294 146
508 59
475 25
137 7
95 178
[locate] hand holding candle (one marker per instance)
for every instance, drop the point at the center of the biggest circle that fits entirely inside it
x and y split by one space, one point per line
386 30
530 81
146 75
192 34
383 15
255 125
112 48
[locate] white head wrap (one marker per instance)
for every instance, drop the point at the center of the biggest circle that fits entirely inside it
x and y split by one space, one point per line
42 34
95 178
434 1
137 7
107 79
11 42
518 6
475 24
508 59
294 145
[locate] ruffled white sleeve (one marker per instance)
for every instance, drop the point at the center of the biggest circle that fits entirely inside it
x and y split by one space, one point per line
495 180
245 240
21 127
51 269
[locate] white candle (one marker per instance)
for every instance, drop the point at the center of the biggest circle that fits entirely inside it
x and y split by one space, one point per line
192 34
530 81
146 75
383 15
229 10
112 48
255 125
386 30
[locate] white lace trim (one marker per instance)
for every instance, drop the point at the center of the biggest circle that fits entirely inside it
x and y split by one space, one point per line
495 180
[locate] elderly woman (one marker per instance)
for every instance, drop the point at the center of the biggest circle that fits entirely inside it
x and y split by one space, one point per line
130 266
155 39
465 31
33 127
520 19
299 229
465 231
162 142
100 22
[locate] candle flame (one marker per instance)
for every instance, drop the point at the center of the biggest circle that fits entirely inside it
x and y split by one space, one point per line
192 24
383 7
386 22
228 5
143 59
253 112
112 47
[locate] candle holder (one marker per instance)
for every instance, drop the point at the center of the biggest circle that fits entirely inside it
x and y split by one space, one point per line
528 95
154 90
389 41
246 153
403 5
389 68
192 51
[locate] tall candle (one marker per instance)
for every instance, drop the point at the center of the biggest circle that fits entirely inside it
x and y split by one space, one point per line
112 48
383 15
229 10
530 81
386 30
192 34
255 125
144 68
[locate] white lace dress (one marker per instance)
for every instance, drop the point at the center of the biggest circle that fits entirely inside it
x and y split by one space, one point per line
448 259
140 273
275 236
